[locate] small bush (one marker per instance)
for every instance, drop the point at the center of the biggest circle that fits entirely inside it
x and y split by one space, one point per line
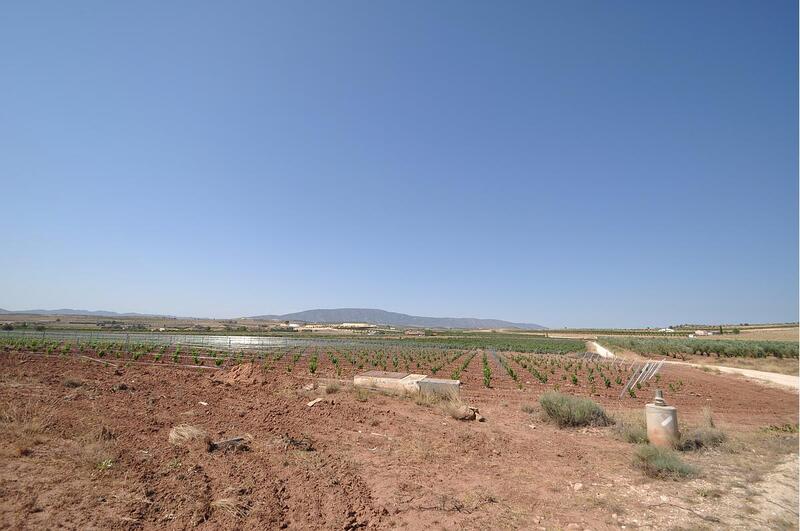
703 437
362 395
781 428
631 427
706 436
332 388
567 410
72 383
429 399
662 463
95 449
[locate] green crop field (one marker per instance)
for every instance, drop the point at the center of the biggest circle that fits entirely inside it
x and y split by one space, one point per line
431 355
681 347
508 342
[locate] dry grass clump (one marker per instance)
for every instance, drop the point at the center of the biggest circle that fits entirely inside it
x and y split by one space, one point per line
26 424
95 449
96 453
567 410
781 428
73 383
427 398
29 418
362 395
231 506
182 434
705 436
631 426
662 463
449 403
702 437
332 388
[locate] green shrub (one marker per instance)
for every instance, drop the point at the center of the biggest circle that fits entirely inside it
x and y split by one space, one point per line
680 347
662 463
567 410
487 372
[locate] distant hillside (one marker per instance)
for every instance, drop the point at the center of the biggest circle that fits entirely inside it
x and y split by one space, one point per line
92 313
382 317
338 315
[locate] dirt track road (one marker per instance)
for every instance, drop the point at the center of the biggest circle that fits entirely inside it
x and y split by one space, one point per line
593 346
783 380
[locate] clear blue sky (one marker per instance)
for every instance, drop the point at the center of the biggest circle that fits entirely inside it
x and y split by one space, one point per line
567 163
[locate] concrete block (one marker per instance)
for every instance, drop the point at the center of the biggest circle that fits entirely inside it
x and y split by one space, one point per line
405 383
393 382
439 386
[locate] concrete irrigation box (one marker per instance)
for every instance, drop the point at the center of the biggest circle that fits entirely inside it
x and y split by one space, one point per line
439 386
405 383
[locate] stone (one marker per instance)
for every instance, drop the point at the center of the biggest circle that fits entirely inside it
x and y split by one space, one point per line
463 412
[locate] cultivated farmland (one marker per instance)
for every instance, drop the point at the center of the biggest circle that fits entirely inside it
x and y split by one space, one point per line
544 363
721 348
118 431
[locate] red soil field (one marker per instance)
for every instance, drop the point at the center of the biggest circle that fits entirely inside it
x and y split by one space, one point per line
377 461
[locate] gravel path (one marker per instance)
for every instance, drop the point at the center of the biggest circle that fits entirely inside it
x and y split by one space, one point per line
783 380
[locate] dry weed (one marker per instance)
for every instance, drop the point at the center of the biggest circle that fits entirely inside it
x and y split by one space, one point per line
362 395
30 418
184 433
26 424
96 449
230 506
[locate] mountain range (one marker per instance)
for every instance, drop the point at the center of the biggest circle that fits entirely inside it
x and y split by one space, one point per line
337 315
91 313
382 317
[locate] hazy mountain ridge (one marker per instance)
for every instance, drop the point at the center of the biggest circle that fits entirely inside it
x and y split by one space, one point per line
335 315
382 317
91 313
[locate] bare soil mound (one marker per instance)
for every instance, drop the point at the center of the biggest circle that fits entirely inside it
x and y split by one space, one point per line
243 374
